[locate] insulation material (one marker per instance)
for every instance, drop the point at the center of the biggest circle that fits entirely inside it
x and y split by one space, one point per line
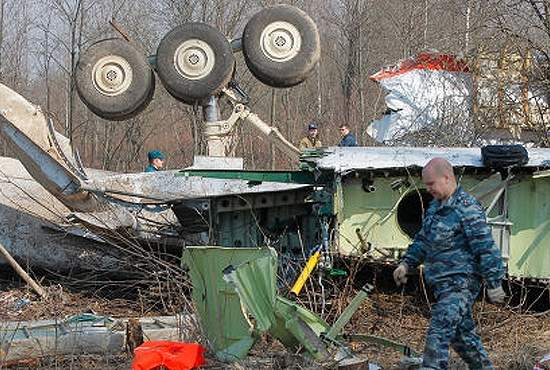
427 91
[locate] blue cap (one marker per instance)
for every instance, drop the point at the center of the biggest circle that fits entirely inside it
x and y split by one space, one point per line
312 126
154 154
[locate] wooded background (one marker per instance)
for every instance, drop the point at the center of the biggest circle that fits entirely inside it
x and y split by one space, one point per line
40 42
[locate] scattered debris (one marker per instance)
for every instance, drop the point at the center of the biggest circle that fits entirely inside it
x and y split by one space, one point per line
247 278
80 334
20 303
424 91
134 334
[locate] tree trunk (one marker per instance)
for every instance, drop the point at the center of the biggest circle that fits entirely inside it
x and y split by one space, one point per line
425 24
75 30
1 33
319 92
272 123
467 36
360 84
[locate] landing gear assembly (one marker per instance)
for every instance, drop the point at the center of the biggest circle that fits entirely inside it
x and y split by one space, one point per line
196 65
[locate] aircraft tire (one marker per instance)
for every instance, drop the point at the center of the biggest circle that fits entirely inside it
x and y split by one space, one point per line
281 46
194 61
114 80
502 156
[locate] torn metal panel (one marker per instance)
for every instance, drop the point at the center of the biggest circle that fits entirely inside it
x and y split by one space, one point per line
428 89
48 158
79 335
229 284
171 186
294 326
112 219
343 159
139 201
19 189
255 283
227 328
42 151
34 229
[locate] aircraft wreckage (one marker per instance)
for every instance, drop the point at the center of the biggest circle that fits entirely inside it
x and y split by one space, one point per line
232 224
360 202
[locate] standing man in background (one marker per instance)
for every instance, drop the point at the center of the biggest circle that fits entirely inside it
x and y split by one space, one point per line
458 252
156 161
348 139
311 141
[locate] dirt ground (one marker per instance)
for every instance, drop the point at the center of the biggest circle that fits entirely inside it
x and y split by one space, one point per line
514 340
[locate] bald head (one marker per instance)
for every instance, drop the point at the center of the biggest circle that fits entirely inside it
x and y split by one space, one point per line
439 167
439 178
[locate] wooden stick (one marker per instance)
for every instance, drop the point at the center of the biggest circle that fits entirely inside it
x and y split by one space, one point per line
13 263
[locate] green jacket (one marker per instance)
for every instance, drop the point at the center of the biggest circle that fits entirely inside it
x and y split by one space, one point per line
150 168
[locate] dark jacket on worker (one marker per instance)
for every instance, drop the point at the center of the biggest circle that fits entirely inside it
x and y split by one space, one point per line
348 140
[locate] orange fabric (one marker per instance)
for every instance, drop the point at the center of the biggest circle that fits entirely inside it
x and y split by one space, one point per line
171 355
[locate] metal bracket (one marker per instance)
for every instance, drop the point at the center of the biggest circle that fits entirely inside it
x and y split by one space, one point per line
224 127
235 93
217 131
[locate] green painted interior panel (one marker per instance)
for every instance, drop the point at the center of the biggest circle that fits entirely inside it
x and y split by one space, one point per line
370 214
283 220
529 210
374 215
379 215
218 306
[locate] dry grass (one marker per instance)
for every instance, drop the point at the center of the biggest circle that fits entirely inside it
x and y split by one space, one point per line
513 339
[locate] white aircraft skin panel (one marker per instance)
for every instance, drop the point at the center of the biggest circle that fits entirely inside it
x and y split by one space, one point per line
341 159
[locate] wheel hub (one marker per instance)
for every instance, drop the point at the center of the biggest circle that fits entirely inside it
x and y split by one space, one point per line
112 75
280 41
194 59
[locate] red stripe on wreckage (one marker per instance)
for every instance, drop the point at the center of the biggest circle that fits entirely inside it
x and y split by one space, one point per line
425 61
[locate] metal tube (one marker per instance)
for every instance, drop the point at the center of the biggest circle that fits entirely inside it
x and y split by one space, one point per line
344 318
210 110
273 135
211 114
494 201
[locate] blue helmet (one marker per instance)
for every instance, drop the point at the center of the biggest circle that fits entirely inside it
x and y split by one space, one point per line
312 126
154 154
